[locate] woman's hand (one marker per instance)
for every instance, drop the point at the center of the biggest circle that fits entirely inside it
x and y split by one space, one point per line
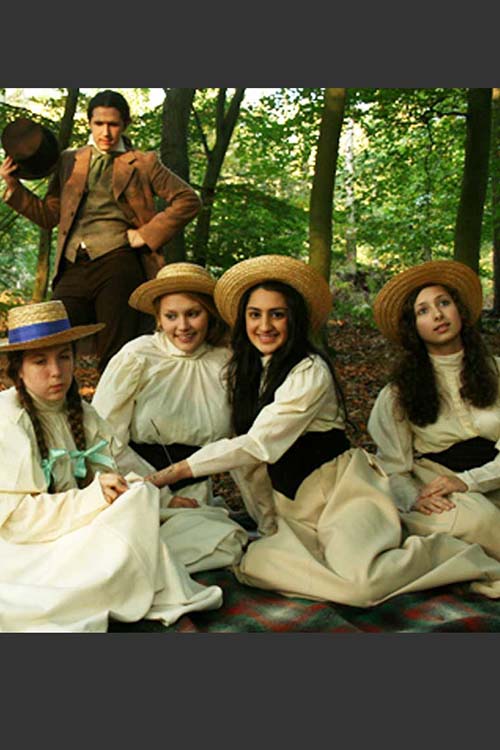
432 498
178 501
442 486
170 475
7 169
112 486
433 504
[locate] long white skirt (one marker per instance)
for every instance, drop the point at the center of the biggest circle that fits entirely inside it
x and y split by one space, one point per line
116 566
341 540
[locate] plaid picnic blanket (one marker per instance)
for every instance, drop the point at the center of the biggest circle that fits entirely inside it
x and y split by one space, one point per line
450 609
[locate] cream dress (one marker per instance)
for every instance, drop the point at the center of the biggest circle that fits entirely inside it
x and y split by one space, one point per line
400 445
68 560
340 539
149 383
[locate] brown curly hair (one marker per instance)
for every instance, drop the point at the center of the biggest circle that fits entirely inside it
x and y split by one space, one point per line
414 377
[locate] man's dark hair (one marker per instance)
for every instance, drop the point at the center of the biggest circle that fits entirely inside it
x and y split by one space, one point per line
110 98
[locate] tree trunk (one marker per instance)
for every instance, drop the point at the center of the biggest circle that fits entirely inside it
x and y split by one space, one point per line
174 152
41 283
321 203
225 123
475 176
351 251
495 196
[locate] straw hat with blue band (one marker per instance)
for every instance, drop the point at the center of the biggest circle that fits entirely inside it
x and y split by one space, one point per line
42 324
249 273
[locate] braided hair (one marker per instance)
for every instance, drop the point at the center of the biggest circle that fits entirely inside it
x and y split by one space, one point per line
74 410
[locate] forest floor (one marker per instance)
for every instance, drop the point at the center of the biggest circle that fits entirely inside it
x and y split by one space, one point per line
362 359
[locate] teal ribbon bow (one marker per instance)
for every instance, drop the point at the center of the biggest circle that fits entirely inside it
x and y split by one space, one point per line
77 459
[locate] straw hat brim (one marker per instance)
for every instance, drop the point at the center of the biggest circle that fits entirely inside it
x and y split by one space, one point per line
144 296
54 339
248 273
388 305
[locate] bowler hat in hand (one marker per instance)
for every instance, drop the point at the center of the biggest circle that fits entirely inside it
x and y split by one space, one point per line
32 146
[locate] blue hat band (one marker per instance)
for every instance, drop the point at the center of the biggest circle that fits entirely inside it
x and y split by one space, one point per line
37 331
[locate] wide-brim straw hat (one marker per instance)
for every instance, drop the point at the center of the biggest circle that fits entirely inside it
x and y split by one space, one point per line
42 324
388 305
248 273
174 278
33 147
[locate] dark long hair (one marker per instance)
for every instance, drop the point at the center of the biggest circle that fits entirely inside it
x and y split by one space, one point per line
73 401
244 370
414 377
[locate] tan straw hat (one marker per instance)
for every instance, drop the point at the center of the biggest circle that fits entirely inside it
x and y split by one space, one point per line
388 305
172 278
248 273
42 324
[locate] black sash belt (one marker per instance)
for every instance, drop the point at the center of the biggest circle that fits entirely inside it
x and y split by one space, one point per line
154 454
468 454
308 453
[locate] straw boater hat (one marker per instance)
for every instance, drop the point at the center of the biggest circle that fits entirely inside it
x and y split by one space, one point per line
248 273
42 324
388 305
32 146
174 278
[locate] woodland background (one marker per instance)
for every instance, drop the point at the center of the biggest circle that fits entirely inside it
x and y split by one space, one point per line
361 183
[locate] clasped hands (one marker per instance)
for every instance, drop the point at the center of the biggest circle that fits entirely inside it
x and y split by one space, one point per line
433 497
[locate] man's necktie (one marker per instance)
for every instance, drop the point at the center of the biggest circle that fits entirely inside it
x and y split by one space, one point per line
97 167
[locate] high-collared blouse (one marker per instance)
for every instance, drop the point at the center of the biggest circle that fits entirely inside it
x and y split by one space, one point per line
400 442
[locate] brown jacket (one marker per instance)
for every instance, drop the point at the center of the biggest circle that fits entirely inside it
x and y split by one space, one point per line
137 177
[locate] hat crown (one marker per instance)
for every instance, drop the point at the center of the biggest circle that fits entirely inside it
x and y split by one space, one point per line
174 278
32 146
22 138
389 302
292 271
38 312
171 270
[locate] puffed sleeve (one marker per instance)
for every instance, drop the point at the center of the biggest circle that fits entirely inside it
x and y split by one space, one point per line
393 438
483 478
297 403
115 395
487 477
28 513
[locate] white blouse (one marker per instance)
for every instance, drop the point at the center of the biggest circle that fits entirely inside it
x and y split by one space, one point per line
150 380
23 486
305 401
399 442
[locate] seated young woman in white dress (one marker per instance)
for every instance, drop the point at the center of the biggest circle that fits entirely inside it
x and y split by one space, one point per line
437 423
165 397
79 542
330 529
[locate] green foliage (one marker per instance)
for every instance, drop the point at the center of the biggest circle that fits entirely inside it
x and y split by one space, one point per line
407 161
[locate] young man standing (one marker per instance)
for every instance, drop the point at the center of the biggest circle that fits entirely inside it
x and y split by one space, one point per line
110 234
